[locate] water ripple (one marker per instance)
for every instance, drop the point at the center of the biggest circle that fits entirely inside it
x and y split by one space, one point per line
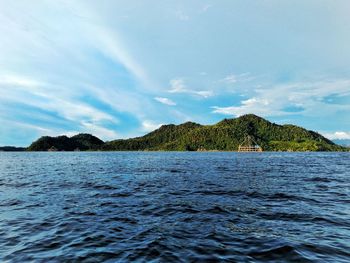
174 207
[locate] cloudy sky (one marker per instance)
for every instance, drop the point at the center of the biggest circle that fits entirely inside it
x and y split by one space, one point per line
119 69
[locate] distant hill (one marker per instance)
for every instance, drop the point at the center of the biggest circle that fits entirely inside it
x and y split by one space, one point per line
226 135
12 149
82 142
343 142
86 141
156 140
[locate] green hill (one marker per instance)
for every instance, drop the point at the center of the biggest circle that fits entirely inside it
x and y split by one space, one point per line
155 140
86 141
226 135
83 142
12 149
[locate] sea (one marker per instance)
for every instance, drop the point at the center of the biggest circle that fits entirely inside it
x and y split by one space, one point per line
174 207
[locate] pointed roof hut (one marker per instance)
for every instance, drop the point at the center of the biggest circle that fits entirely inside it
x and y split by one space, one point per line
249 145
52 149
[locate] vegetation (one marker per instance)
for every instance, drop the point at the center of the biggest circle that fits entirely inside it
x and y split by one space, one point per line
12 149
83 142
86 142
226 135
154 140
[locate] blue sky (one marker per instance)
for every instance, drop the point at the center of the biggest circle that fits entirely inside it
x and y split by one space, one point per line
119 69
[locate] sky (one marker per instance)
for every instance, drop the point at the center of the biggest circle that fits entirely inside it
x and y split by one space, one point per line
119 69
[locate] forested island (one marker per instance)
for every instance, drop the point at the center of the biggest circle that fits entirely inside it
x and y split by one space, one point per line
12 149
226 135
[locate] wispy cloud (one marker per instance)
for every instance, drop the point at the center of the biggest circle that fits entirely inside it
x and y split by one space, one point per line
109 43
48 98
165 101
234 78
252 105
55 76
181 15
338 135
205 8
230 79
15 80
99 131
148 125
178 86
308 96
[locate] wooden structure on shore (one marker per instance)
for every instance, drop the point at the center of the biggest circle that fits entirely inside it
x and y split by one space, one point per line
201 149
52 149
249 145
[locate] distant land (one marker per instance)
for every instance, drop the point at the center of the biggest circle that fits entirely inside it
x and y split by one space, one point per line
342 142
12 149
226 135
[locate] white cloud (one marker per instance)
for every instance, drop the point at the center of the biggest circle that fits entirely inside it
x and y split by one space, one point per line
251 105
50 98
109 43
47 65
15 80
234 78
205 8
95 29
99 131
165 101
230 79
180 14
178 86
149 126
338 135
204 93
21 125
307 96
85 127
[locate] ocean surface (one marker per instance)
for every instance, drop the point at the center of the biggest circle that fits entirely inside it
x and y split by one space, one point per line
174 207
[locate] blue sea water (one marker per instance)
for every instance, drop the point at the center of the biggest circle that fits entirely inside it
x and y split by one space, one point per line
174 207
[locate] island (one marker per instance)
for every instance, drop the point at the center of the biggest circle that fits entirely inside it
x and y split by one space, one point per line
226 135
12 149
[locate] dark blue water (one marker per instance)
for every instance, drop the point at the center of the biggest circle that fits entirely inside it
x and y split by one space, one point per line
175 207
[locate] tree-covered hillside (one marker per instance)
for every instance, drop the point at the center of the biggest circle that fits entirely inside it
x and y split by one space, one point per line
83 142
12 149
226 135
154 140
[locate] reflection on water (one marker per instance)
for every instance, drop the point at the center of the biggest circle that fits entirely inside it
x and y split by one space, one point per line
250 207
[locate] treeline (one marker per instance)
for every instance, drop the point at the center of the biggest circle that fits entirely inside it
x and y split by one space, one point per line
226 135
81 142
12 149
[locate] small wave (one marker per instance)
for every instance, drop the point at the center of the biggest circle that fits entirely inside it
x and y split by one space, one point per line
285 216
96 256
174 171
280 196
216 210
11 202
333 221
218 192
283 253
319 179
